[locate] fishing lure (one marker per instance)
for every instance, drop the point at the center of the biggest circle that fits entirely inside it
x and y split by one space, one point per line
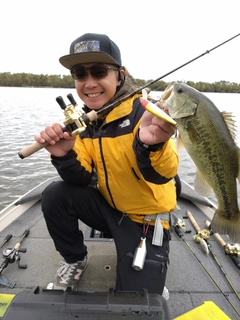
202 242
151 107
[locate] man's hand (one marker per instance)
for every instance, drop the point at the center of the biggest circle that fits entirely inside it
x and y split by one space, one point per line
154 130
60 143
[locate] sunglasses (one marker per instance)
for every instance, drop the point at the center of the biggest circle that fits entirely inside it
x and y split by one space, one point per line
97 71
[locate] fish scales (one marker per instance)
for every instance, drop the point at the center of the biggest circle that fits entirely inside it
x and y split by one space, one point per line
210 145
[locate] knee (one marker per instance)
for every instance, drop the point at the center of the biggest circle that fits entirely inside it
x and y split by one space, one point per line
52 196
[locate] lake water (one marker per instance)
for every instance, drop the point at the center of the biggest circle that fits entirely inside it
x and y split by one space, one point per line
25 111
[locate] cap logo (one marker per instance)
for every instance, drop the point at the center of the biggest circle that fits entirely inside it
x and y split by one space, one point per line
87 46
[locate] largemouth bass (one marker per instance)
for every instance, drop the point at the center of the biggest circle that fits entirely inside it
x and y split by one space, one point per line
208 136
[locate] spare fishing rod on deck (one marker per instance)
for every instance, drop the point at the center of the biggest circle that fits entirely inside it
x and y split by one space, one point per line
179 231
76 120
205 235
11 255
232 250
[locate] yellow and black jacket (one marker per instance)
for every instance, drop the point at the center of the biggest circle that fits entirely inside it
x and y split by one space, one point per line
132 178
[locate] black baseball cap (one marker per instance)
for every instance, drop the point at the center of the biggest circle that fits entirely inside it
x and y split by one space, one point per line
92 48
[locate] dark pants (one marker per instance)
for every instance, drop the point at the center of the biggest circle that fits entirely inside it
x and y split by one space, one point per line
63 204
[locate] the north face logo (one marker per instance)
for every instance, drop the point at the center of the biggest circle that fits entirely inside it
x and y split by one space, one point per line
125 123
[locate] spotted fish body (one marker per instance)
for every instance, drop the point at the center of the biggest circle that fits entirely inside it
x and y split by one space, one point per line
208 137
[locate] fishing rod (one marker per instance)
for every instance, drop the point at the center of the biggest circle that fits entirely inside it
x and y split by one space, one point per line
180 234
77 120
8 237
205 235
231 250
166 74
11 255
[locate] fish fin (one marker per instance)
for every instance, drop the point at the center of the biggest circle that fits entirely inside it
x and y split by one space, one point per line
231 123
179 143
220 224
201 186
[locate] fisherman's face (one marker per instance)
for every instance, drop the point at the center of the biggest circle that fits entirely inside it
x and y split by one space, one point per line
95 91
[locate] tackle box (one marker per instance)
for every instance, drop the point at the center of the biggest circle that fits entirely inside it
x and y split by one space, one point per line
66 305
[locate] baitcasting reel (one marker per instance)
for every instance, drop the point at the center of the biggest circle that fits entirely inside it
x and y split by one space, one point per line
12 255
232 249
75 122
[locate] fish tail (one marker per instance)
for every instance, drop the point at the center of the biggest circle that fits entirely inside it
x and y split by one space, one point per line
231 227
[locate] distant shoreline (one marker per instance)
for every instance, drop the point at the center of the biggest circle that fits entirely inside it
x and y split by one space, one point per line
29 80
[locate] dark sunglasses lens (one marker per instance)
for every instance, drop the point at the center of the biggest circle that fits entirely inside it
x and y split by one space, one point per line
79 73
98 71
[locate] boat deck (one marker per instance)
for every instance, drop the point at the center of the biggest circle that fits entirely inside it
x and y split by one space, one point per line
188 283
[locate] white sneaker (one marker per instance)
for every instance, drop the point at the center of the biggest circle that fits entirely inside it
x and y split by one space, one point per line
68 275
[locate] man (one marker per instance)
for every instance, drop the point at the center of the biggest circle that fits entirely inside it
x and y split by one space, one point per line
135 160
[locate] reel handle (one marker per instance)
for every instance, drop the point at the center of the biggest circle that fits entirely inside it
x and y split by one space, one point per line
61 102
71 99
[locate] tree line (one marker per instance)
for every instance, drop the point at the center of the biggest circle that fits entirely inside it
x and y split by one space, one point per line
8 79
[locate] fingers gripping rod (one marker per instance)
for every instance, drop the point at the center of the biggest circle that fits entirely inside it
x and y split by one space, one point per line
75 122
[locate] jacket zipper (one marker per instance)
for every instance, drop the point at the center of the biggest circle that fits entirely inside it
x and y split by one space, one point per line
105 171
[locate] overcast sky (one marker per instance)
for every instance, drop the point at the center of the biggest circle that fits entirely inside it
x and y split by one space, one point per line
154 36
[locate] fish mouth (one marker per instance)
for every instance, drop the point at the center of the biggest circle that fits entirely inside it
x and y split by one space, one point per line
165 101
167 93
165 96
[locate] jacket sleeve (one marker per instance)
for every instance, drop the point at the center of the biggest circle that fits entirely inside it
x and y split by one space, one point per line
158 164
70 169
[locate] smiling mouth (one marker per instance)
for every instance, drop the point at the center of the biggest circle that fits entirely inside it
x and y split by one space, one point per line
94 95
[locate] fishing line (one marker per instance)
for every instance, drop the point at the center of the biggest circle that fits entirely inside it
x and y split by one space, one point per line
165 75
180 234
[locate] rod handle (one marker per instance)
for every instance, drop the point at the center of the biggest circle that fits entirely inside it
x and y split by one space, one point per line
216 235
25 233
236 261
36 146
220 240
8 237
194 222
90 116
29 150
